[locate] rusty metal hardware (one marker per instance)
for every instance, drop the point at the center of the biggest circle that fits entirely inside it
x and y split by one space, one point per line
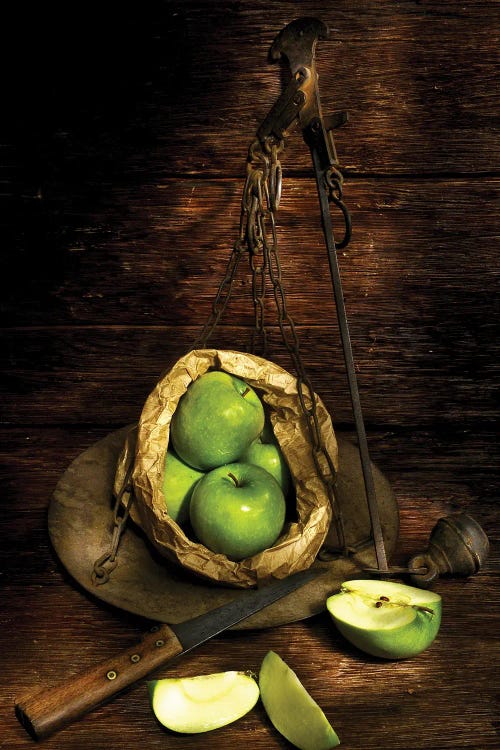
300 103
104 565
458 546
297 43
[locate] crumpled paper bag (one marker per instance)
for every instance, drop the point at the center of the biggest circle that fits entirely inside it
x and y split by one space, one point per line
301 539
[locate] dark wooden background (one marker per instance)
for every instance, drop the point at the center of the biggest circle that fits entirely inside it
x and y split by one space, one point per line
123 155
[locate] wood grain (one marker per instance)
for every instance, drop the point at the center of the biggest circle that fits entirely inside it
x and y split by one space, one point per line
122 154
422 251
110 372
183 87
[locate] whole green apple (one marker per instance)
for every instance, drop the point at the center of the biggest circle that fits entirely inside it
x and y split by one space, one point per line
216 420
237 510
266 452
179 480
386 619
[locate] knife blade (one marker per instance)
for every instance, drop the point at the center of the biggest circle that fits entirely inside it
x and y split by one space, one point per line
50 710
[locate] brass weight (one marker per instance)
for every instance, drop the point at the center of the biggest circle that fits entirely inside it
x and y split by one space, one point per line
458 546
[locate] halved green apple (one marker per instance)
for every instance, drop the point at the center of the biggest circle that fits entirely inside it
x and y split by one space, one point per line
386 619
202 703
291 709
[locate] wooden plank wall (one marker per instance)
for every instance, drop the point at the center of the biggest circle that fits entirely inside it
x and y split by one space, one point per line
127 164
124 147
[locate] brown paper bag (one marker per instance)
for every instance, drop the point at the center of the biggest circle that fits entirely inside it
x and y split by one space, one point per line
301 539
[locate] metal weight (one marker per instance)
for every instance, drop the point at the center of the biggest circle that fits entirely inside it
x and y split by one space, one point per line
458 546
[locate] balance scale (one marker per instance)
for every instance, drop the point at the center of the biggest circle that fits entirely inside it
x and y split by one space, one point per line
81 516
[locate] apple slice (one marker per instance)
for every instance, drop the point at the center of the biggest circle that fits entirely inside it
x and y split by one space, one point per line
386 619
290 707
203 703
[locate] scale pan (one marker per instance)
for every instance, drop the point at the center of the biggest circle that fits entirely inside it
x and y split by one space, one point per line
144 583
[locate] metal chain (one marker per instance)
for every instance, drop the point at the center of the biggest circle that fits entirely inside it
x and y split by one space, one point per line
104 566
334 181
262 188
263 192
222 297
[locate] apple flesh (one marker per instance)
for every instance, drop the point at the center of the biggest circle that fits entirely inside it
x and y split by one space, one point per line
386 619
216 420
291 709
202 703
237 510
179 480
266 452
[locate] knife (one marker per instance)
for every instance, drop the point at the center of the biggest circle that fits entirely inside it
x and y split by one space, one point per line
47 711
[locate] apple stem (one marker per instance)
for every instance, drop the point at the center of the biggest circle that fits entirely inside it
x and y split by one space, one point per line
230 474
247 390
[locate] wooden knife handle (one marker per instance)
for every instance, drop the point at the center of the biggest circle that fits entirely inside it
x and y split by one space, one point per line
48 711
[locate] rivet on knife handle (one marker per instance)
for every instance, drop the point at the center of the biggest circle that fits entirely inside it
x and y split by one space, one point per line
48 711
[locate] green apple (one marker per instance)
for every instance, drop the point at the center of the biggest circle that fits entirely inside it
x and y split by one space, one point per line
237 510
203 703
216 420
266 452
179 480
386 619
292 710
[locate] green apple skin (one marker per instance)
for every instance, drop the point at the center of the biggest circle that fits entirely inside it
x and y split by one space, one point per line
237 510
179 480
400 625
200 704
266 452
216 420
292 710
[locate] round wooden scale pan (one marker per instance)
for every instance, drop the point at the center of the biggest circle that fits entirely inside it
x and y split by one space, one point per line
144 583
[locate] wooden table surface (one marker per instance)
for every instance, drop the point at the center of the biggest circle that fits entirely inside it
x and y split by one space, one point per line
124 147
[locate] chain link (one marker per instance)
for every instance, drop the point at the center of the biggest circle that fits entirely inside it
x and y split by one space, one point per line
261 199
334 182
222 297
104 566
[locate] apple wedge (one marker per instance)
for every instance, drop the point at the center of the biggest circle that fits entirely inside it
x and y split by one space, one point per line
202 703
386 619
291 709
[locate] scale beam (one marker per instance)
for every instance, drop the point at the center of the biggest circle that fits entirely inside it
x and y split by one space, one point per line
300 102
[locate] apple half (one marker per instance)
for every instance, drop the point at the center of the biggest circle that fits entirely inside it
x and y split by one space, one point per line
200 704
386 619
291 709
